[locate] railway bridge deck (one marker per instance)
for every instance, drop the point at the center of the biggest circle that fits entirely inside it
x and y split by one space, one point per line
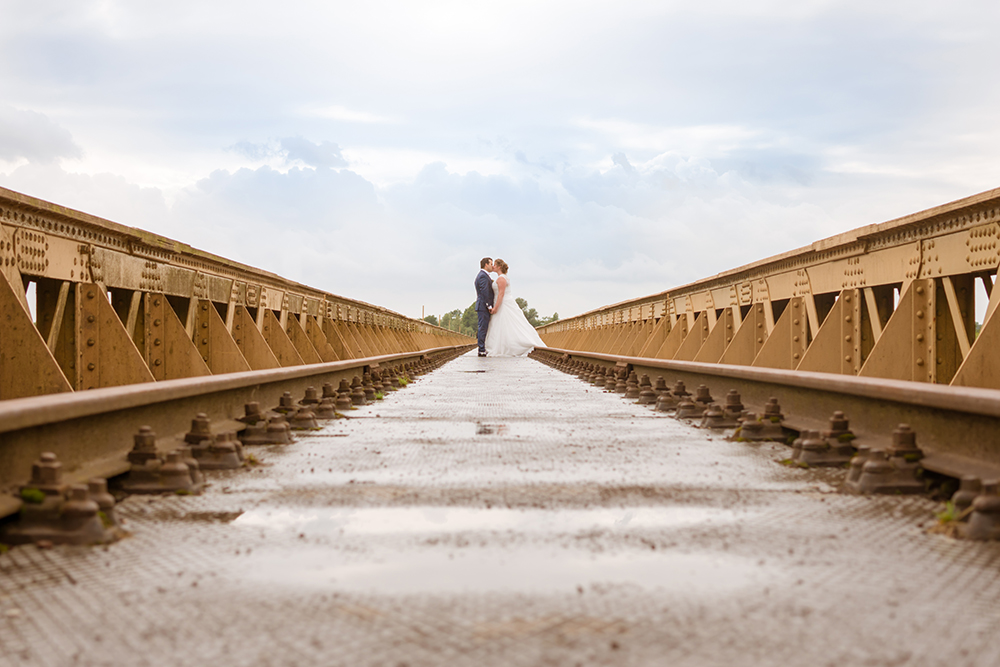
497 511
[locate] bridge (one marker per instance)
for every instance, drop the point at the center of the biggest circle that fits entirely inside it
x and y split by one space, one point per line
743 469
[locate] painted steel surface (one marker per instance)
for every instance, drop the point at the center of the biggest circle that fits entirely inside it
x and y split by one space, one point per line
117 305
894 300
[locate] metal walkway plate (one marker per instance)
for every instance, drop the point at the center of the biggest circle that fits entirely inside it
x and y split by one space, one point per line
514 516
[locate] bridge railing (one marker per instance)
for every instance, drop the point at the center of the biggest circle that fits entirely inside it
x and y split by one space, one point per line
114 305
893 300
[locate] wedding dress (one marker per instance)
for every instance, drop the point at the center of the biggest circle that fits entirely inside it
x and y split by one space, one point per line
510 334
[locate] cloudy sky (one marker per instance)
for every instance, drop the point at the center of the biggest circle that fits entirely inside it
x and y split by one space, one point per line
606 150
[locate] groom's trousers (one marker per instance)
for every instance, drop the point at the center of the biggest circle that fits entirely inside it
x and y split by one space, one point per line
484 324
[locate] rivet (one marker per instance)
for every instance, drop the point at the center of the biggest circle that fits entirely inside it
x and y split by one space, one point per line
90 294
204 341
239 341
920 338
847 299
204 325
760 325
847 338
91 318
795 322
90 342
920 314
795 338
920 290
760 340
157 362
156 341
91 367
848 318
156 302
204 306
920 362
847 358
156 323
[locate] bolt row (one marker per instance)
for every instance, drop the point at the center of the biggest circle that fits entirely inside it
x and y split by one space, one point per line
893 469
56 512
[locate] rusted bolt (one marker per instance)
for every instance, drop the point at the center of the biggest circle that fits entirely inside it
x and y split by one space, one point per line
970 488
91 367
91 318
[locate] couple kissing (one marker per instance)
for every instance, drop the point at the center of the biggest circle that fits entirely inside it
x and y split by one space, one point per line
504 331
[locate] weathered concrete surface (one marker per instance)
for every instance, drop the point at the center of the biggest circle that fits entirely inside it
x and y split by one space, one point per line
512 517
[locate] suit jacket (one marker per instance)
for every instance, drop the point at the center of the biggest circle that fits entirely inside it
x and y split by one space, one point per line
484 291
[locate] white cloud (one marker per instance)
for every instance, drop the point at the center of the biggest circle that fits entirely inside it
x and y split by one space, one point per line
337 112
32 136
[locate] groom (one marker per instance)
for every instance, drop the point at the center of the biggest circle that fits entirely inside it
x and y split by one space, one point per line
484 301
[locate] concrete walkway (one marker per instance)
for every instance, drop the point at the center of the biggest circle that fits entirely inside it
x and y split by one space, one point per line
498 512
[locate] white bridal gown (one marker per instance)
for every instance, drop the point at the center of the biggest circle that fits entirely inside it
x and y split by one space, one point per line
510 334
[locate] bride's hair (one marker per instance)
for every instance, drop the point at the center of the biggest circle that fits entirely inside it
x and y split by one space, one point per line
502 265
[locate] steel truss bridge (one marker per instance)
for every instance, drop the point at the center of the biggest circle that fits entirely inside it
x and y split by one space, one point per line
129 327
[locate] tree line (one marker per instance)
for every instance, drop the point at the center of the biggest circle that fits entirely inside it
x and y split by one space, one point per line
467 322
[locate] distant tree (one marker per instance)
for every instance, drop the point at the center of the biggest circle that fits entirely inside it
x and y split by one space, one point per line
529 313
467 321
452 320
470 321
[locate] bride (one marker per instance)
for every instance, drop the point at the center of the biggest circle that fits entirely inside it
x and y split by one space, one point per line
509 333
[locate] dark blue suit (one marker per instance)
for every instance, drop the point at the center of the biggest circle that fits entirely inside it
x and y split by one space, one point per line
484 301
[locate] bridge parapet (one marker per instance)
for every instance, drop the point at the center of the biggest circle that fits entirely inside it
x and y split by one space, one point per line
115 305
891 300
